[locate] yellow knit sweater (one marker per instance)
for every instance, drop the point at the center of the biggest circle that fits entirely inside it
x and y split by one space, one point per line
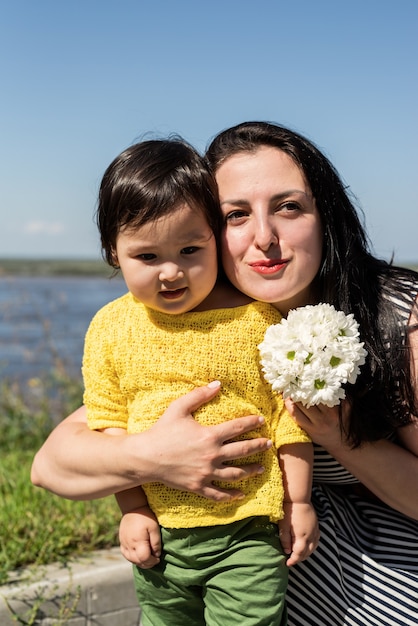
136 361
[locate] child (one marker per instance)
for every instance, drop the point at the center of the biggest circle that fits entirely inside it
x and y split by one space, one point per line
181 326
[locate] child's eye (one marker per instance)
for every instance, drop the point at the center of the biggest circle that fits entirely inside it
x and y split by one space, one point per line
149 256
190 250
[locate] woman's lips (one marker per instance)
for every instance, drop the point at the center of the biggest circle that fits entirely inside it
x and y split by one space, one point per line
173 294
268 266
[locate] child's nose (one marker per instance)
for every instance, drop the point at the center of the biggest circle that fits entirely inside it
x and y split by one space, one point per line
170 271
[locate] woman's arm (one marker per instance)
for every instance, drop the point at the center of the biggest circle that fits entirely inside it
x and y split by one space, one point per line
80 464
388 470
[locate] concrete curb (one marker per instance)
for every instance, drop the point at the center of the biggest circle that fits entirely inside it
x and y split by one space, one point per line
96 589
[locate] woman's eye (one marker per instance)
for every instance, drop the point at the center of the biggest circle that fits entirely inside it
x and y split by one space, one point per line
288 207
235 216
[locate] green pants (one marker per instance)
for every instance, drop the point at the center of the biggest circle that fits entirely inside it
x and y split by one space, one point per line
233 575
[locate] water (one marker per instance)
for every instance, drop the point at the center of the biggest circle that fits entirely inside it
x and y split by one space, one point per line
44 319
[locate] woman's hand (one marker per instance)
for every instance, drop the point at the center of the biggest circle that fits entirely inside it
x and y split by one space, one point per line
80 464
189 456
321 422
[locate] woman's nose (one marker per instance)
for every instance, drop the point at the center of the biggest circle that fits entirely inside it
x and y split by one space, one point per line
170 272
265 235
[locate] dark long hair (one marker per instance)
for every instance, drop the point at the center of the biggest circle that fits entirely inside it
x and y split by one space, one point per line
350 277
151 179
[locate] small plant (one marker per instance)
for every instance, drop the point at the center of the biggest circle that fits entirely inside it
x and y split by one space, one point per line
36 526
29 410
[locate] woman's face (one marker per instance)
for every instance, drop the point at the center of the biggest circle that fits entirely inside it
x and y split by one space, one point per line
272 241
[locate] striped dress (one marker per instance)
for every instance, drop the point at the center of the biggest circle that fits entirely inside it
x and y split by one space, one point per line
365 569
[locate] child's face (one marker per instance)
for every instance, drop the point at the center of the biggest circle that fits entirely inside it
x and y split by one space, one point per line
170 265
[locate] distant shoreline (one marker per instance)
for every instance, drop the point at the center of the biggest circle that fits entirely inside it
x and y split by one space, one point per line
54 267
73 267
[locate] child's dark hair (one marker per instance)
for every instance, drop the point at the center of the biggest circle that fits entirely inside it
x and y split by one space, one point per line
149 180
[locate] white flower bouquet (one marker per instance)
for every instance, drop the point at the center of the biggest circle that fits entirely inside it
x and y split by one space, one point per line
310 354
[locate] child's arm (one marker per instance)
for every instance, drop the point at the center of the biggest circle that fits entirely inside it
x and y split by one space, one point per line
139 532
299 531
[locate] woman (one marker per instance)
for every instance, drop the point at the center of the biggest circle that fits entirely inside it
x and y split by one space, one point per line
293 237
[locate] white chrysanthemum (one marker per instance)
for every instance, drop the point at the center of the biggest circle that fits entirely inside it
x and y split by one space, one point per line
310 354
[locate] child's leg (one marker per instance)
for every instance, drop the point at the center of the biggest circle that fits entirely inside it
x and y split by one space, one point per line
231 575
165 602
248 586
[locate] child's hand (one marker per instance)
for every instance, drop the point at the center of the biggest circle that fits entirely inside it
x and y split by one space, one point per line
299 531
140 537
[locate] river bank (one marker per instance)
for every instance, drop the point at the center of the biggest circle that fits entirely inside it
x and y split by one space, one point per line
54 267
72 267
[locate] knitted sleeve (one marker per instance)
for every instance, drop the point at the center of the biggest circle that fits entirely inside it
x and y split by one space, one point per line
287 430
106 405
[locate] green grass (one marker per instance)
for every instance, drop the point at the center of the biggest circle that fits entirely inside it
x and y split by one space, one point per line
37 527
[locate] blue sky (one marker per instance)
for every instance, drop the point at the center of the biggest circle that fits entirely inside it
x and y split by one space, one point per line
82 80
